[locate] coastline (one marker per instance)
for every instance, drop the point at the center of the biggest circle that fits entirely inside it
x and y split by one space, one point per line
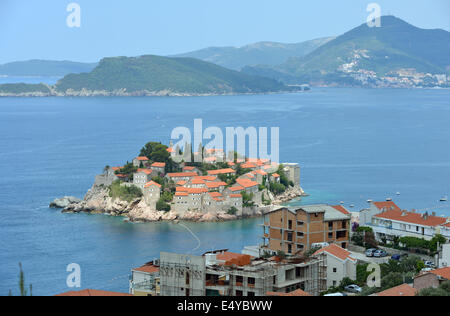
98 201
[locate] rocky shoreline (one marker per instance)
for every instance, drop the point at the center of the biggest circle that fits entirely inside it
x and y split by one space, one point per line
123 93
98 201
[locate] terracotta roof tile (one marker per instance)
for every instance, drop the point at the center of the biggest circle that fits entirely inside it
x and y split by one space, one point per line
221 171
413 218
341 209
401 290
182 174
443 272
89 292
142 159
159 165
152 183
336 251
298 292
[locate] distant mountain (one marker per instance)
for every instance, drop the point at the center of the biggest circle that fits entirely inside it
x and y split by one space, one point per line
267 53
154 75
369 55
44 68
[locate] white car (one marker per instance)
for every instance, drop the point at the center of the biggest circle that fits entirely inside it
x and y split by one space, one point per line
353 289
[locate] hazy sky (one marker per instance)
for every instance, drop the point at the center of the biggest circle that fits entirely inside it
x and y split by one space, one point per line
32 29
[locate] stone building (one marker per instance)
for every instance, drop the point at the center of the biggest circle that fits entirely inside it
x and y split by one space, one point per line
140 161
142 177
152 194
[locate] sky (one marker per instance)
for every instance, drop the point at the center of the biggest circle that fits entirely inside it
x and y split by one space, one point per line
37 29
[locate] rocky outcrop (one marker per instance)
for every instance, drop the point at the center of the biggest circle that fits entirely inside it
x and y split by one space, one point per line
64 202
290 194
98 201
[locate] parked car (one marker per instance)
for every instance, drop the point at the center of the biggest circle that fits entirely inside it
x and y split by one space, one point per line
430 264
319 245
380 254
353 289
396 257
427 270
336 294
370 252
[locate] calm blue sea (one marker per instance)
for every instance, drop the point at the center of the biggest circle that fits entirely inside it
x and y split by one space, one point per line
353 144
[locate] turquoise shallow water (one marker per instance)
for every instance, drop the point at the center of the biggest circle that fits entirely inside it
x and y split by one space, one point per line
353 144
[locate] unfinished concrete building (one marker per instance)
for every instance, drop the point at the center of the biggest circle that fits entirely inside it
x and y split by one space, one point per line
222 273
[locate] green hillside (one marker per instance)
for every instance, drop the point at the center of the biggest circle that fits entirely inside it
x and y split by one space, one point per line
264 53
394 46
156 73
19 88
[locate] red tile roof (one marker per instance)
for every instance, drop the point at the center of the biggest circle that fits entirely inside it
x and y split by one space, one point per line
206 178
247 183
341 209
298 292
188 168
221 171
213 185
387 206
198 181
236 188
181 194
170 150
182 174
182 182
148 268
152 183
215 194
401 290
275 175
336 251
196 190
142 159
248 165
443 272
413 218
147 171
159 165
235 196
232 258
93 293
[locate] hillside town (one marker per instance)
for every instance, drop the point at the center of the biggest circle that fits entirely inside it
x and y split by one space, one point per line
312 250
308 250
154 187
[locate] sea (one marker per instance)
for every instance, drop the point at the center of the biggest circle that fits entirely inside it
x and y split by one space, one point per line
352 145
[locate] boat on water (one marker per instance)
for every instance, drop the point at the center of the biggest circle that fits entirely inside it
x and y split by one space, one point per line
352 205
369 201
398 193
342 202
444 199
389 200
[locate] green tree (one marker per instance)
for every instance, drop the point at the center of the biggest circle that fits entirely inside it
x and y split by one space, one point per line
162 206
232 211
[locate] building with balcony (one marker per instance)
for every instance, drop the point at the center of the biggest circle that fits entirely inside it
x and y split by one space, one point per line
295 230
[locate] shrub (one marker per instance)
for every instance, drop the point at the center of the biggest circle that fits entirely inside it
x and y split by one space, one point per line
162 206
125 193
232 211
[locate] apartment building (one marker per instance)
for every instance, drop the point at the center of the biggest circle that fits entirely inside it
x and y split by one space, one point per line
145 280
294 230
396 223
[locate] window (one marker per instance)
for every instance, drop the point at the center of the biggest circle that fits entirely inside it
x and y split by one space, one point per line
289 248
334 270
290 224
251 294
330 225
300 223
289 236
251 281
330 235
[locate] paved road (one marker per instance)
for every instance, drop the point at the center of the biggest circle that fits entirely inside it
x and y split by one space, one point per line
362 257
